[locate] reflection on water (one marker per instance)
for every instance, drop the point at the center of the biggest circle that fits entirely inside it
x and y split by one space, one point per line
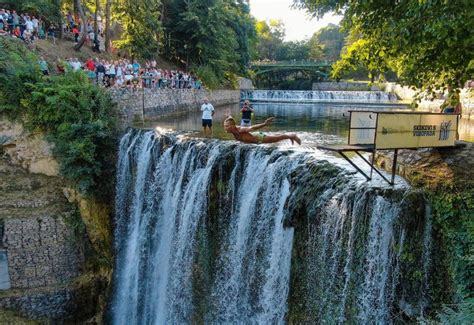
315 123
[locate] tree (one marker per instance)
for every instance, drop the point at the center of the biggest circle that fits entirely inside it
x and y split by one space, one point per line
48 10
80 12
269 38
293 50
429 44
108 5
211 36
141 23
316 49
331 41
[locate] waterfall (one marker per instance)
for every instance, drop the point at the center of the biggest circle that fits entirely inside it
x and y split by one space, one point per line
219 232
317 96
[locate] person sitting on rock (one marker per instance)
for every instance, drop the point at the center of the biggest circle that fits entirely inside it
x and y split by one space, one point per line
247 134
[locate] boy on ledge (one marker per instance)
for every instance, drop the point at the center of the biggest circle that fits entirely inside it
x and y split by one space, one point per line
246 134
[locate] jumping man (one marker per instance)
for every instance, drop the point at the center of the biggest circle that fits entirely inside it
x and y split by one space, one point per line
246 134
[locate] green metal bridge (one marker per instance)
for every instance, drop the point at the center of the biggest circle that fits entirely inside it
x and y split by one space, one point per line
319 67
268 72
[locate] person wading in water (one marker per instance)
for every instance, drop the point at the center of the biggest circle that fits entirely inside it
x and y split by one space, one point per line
247 134
246 112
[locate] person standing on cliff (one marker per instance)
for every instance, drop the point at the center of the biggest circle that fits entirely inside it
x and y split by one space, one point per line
207 113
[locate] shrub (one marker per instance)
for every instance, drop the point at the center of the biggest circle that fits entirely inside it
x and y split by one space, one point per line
208 76
75 115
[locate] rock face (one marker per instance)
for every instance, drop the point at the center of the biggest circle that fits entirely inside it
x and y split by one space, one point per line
434 167
44 244
30 151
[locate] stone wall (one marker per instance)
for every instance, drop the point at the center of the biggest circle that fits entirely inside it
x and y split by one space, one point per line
151 103
245 84
74 302
44 243
41 251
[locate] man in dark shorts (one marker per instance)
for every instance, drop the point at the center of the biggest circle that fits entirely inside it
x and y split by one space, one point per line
246 113
207 113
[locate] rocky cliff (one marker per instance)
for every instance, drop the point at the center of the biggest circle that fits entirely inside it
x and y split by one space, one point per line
54 245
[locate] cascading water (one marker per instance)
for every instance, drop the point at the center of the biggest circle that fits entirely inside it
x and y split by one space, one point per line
317 96
218 232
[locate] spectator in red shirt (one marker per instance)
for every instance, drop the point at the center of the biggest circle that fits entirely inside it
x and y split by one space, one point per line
90 64
75 31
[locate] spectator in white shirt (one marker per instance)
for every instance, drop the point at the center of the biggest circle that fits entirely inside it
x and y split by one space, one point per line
207 113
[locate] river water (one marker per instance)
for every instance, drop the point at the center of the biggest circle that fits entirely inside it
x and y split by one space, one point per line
315 123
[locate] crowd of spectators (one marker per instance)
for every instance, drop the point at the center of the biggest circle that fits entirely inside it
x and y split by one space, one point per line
24 26
130 74
119 73
29 28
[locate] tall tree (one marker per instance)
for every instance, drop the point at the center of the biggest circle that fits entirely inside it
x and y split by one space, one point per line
210 36
331 40
269 38
108 5
96 17
80 12
430 44
140 20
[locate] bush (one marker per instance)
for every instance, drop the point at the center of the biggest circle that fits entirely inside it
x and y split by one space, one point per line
208 76
18 66
75 115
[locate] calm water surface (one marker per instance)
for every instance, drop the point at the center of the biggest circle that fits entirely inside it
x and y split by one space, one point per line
315 123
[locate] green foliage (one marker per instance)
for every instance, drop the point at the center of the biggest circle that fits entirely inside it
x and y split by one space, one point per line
141 23
316 49
454 215
436 53
325 44
269 39
298 50
18 66
459 314
330 40
74 114
214 34
208 76
48 10
362 53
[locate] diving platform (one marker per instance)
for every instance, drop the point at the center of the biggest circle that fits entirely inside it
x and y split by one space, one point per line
370 131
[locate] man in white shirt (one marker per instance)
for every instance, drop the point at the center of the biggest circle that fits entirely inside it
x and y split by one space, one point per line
207 112
29 26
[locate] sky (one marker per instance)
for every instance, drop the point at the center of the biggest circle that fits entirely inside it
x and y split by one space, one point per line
298 24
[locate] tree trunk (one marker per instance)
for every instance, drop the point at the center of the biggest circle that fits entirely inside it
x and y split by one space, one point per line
80 12
59 21
108 4
96 25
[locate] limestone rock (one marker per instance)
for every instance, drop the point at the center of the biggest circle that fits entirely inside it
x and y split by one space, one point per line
30 151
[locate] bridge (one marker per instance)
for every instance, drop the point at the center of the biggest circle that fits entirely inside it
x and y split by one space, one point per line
319 67
271 72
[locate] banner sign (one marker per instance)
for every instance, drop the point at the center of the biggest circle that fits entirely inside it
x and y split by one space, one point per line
416 130
394 130
362 128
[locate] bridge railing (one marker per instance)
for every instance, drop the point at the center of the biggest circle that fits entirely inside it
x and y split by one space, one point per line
292 63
